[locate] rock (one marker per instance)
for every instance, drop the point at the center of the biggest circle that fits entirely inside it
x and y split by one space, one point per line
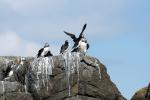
8 87
64 77
13 91
147 96
142 94
10 63
16 96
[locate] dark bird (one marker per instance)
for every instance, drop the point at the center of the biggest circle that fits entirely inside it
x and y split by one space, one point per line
45 51
80 43
9 68
64 47
20 61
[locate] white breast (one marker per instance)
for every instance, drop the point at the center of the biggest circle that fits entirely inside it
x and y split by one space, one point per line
45 51
82 46
10 73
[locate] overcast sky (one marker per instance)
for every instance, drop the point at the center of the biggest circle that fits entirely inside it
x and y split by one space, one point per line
118 32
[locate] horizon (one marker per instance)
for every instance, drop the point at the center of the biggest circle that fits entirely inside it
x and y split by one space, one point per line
118 33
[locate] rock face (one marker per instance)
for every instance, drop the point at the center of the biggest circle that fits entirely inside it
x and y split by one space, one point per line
142 94
147 96
71 76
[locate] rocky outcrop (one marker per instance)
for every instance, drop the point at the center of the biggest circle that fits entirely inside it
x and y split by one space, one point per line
63 77
142 94
147 96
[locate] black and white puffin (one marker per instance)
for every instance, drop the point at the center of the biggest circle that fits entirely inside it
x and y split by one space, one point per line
64 47
45 51
80 43
9 69
20 61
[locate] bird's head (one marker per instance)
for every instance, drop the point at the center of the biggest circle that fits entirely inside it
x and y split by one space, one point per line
23 59
84 40
46 45
66 42
18 60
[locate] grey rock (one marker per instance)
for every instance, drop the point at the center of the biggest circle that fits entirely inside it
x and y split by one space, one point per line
8 87
147 95
64 77
142 94
16 96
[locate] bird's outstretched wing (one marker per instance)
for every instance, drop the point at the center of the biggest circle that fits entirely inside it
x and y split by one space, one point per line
84 27
71 35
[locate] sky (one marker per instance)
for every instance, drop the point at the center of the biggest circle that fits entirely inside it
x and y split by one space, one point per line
118 32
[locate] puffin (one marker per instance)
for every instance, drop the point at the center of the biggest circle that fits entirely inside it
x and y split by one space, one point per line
64 47
45 51
9 69
80 42
20 61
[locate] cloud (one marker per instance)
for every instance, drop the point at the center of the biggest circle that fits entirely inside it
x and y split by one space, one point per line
13 45
9 41
33 6
46 19
77 7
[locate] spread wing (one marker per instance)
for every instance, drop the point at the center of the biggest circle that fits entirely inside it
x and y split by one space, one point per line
76 44
84 27
71 35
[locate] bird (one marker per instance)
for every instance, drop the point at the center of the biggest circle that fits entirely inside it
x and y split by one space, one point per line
80 43
45 51
82 46
20 61
64 47
9 68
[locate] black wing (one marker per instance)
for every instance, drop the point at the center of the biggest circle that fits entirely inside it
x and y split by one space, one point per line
75 50
62 48
88 46
7 71
76 44
48 54
84 27
39 52
71 35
